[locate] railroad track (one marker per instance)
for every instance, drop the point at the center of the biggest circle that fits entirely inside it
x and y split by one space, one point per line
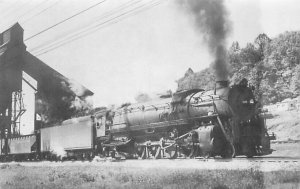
239 163
271 159
278 159
274 159
284 141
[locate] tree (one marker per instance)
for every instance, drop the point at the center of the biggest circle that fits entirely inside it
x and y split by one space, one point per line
272 66
261 42
235 47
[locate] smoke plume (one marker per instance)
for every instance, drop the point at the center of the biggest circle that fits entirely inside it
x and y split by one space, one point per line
211 19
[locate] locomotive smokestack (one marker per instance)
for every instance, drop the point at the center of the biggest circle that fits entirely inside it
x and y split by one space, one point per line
211 20
222 84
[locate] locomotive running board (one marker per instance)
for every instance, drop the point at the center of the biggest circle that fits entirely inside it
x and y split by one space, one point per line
116 143
166 123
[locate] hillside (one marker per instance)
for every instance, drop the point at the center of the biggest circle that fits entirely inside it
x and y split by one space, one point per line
285 124
272 66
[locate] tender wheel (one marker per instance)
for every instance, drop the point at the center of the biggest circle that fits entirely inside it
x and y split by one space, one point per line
90 156
36 157
105 152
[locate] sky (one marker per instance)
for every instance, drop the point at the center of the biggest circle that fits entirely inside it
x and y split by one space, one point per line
145 52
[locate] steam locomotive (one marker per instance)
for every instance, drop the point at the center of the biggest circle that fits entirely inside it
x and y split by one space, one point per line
225 122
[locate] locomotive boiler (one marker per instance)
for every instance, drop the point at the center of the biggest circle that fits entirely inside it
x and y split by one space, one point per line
222 122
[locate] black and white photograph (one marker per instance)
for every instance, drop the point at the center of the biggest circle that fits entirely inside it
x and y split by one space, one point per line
149 94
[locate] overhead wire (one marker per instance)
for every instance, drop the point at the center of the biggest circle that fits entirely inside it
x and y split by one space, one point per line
33 8
40 12
126 14
103 16
123 6
85 32
13 8
64 20
16 19
102 25
90 30
10 7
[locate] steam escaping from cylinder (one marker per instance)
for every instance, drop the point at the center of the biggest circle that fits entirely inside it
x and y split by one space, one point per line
59 151
211 20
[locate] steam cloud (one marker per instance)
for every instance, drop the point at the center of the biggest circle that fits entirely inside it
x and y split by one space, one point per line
58 151
212 21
